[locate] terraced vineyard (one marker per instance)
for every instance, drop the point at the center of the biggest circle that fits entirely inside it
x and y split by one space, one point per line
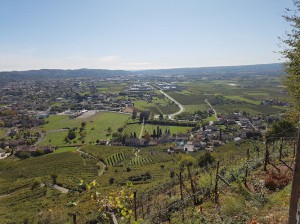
67 166
116 159
132 128
140 160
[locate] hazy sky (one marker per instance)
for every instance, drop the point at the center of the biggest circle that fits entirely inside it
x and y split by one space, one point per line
138 34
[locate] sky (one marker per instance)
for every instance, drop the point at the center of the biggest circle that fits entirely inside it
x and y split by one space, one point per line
139 34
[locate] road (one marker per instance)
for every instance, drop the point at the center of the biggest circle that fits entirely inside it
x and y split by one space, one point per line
215 112
171 116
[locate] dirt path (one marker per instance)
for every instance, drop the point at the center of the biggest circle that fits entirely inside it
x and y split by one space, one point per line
141 132
100 163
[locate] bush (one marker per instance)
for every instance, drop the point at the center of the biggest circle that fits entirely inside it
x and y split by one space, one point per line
23 155
277 181
111 180
206 159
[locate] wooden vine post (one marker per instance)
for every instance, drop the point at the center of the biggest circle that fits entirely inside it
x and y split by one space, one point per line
134 203
267 155
181 193
192 186
294 198
216 184
180 182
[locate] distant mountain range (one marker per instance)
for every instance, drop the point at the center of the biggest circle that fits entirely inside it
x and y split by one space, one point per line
261 69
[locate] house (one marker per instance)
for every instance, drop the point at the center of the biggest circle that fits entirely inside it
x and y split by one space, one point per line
189 147
102 142
134 142
198 146
152 143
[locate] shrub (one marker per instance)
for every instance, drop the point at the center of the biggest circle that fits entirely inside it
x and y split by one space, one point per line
277 181
206 159
111 180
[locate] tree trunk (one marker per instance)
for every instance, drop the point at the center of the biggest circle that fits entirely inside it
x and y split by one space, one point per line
280 149
295 186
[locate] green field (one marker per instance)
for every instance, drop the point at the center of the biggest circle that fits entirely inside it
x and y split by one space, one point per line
131 128
239 98
96 127
196 107
252 109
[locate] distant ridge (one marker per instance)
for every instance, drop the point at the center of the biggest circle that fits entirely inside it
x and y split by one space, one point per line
259 69
275 69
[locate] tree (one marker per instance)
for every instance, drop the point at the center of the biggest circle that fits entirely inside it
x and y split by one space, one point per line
134 113
292 53
154 133
109 130
147 136
292 83
144 116
71 134
83 124
206 159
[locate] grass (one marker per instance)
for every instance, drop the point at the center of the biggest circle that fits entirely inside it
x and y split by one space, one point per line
2 133
212 118
55 138
142 105
18 176
96 127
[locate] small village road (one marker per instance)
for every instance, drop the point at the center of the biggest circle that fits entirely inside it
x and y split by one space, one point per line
215 112
171 116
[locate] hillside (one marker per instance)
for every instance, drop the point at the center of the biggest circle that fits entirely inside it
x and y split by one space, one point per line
231 184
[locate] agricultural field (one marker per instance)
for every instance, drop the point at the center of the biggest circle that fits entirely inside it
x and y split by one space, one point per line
173 129
159 104
195 107
96 127
242 95
131 128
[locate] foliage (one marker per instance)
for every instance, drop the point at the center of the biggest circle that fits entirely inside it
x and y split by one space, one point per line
292 53
206 159
118 203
